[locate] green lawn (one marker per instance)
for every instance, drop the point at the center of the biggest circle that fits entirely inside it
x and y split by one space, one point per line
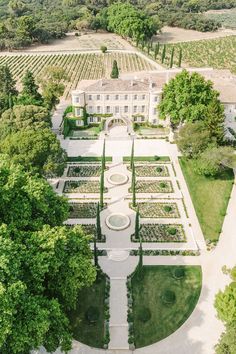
210 198
147 158
83 331
148 293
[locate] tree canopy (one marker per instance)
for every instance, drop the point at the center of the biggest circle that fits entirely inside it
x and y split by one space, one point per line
30 94
188 98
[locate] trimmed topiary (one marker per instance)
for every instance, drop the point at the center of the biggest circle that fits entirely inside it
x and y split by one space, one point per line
167 208
163 185
92 314
179 273
156 157
159 169
172 231
144 314
168 297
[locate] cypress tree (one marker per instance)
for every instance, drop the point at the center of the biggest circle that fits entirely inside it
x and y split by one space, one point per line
172 57
132 155
140 263
163 54
180 58
104 155
98 224
95 251
101 188
133 187
137 228
156 50
115 70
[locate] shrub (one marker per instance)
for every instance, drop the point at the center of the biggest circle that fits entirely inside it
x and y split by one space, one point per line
167 208
168 297
156 157
159 169
163 185
103 49
179 273
92 314
144 314
172 231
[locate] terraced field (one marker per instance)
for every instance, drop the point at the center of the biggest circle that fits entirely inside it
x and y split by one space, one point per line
78 66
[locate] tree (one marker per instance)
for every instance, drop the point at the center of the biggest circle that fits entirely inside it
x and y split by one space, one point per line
172 57
24 118
180 58
98 224
137 227
104 155
115 70
8 92
52 83
30 95
140 262
101 188
193 139
163 56
132 156
103 49
41 279
214 120
156 50
27 202
133 187
187 97
225 304
227 343
95 255
37 150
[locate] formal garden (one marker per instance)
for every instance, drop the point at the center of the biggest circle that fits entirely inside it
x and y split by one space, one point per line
83 210
157 209
160 233
84 171
161 298
150 171
82 187
155 186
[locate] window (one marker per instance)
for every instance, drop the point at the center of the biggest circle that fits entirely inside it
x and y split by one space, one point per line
135 97
108 109
143 109
98 109
107 97
90 109
116 97
126 97
76 99
92 120
98 97
143 97
142 119
154 111
90 97
77 112
117 109
135 109
155 99
98 119
126 109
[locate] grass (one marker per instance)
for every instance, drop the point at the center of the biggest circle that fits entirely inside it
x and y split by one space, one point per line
83 331
165 319
88 158
147 158
210 198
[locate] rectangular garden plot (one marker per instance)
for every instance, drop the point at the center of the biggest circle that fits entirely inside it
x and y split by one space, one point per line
83 210
154 187
161 233
151 171
84 171
158 210
82 187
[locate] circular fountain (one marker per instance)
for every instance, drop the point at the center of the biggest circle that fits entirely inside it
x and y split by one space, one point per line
117 178
117 221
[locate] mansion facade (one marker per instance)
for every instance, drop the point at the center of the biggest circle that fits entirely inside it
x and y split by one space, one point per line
134 97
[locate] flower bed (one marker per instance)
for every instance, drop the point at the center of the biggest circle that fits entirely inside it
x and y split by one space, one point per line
84 171
82 187
83 210
154 187
157 210
161 233
151 171
90 229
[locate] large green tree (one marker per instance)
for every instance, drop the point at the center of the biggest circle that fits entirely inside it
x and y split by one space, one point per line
36 150
29 94
21 117
8 92
188 98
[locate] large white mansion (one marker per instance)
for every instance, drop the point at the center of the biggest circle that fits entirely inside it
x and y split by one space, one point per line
134 97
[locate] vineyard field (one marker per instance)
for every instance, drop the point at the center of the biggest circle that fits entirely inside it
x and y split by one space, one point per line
87 66
218 53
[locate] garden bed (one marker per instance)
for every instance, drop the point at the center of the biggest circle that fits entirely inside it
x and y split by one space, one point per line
83 210
84 171
90 229
148 159
161 233
88 159
82 187
162 301
157 210
151 171
162 186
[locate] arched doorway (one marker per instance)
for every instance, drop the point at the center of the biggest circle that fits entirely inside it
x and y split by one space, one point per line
118 126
